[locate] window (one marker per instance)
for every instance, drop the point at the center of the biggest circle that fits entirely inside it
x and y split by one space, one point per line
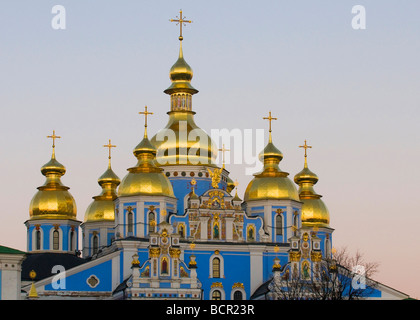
237 295
95 244
72 241
216 267
279 225
38 240
251 234
181 231
130 222
56 240
216 295
295 223
152 222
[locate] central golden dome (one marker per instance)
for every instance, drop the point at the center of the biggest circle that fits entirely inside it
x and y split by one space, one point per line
53 200
182 142
271 183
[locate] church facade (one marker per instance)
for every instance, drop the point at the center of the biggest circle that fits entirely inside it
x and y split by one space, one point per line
175 227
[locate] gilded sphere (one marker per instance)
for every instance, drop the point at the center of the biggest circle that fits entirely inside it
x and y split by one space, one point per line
315 212
100 210
276 188
53 204
145 183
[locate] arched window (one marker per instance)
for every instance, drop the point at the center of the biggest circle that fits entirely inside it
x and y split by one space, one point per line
216 295
251 234
237 295
56 240
216 267
152 222
181 231
38 240
279 225
95 244
72 240
130 222
295 223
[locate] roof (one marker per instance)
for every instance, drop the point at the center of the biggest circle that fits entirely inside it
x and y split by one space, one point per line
43 263
7 250
262 290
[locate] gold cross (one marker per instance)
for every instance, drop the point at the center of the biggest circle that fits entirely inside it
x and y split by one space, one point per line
223 154
146 113
305 146
109 146
181 22
269 118
53 137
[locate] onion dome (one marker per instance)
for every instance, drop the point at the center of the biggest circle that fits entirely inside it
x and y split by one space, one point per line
314 210
181 75
271 182
145 178
182 142
103 208
53 200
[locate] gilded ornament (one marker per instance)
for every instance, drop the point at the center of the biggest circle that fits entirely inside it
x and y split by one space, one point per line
216 285
238 285
294 256
154 252
216 176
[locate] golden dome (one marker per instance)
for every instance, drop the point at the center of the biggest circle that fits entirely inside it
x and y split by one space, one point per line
271 183
103 208
178 149
181 75
314 210
145 178
53 200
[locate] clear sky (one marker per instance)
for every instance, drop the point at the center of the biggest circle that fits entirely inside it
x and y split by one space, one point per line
353 94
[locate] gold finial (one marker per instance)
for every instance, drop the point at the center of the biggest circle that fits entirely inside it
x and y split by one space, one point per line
192 245
53 137
305 146
223 154
146 113
269 118
180 20
193 184
109 146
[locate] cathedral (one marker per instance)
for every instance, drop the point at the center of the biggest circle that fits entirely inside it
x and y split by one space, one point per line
174 227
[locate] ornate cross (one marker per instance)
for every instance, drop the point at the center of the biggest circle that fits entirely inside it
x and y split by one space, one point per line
181 22
145 113
305 146
269 118
223 154
109 146
53 136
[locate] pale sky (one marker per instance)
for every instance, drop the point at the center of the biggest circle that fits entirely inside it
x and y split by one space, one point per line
353 94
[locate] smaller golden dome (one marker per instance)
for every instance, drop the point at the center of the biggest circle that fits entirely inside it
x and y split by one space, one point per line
103 208
271 183
53 200
145 178
314 210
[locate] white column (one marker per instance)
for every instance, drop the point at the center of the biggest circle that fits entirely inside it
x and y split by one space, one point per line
256 267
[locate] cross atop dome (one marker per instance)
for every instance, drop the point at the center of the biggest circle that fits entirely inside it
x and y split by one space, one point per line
53 137
180 20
